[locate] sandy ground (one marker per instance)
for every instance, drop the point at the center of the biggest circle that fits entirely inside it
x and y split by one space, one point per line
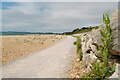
14 47
51 62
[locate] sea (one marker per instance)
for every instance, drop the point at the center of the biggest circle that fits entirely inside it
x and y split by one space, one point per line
25 33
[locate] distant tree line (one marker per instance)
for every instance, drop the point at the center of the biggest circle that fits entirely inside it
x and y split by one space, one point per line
82 30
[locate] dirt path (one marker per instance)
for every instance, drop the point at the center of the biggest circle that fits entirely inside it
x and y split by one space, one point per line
49 63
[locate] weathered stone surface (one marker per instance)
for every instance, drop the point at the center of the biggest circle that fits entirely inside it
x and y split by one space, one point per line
88 49
115 30
96 36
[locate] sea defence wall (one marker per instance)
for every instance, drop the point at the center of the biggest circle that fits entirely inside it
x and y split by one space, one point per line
91 40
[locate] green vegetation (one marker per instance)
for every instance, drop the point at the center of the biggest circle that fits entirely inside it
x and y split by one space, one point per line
34 38
78 45
102 68
78 31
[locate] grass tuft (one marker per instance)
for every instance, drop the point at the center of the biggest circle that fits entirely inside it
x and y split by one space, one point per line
78 46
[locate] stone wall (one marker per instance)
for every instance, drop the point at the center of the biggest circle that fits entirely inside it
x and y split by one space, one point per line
88 39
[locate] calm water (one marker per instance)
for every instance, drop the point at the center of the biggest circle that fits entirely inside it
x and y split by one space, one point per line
14 33
24 33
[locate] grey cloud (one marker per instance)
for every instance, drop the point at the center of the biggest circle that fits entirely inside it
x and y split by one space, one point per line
57 17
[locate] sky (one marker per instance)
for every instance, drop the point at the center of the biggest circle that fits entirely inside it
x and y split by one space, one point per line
60 0
53 16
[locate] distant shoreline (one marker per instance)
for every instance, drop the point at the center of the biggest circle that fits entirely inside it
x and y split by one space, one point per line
27 33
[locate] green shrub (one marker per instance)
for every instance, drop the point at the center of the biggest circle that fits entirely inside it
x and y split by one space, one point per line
96 27
82 30
102 68
78 45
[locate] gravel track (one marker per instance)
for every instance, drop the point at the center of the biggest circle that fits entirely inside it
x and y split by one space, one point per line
48 63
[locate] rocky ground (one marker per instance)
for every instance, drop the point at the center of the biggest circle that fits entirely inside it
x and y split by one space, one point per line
77 69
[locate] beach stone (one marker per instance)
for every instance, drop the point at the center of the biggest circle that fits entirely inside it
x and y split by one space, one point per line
92 57
94 49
